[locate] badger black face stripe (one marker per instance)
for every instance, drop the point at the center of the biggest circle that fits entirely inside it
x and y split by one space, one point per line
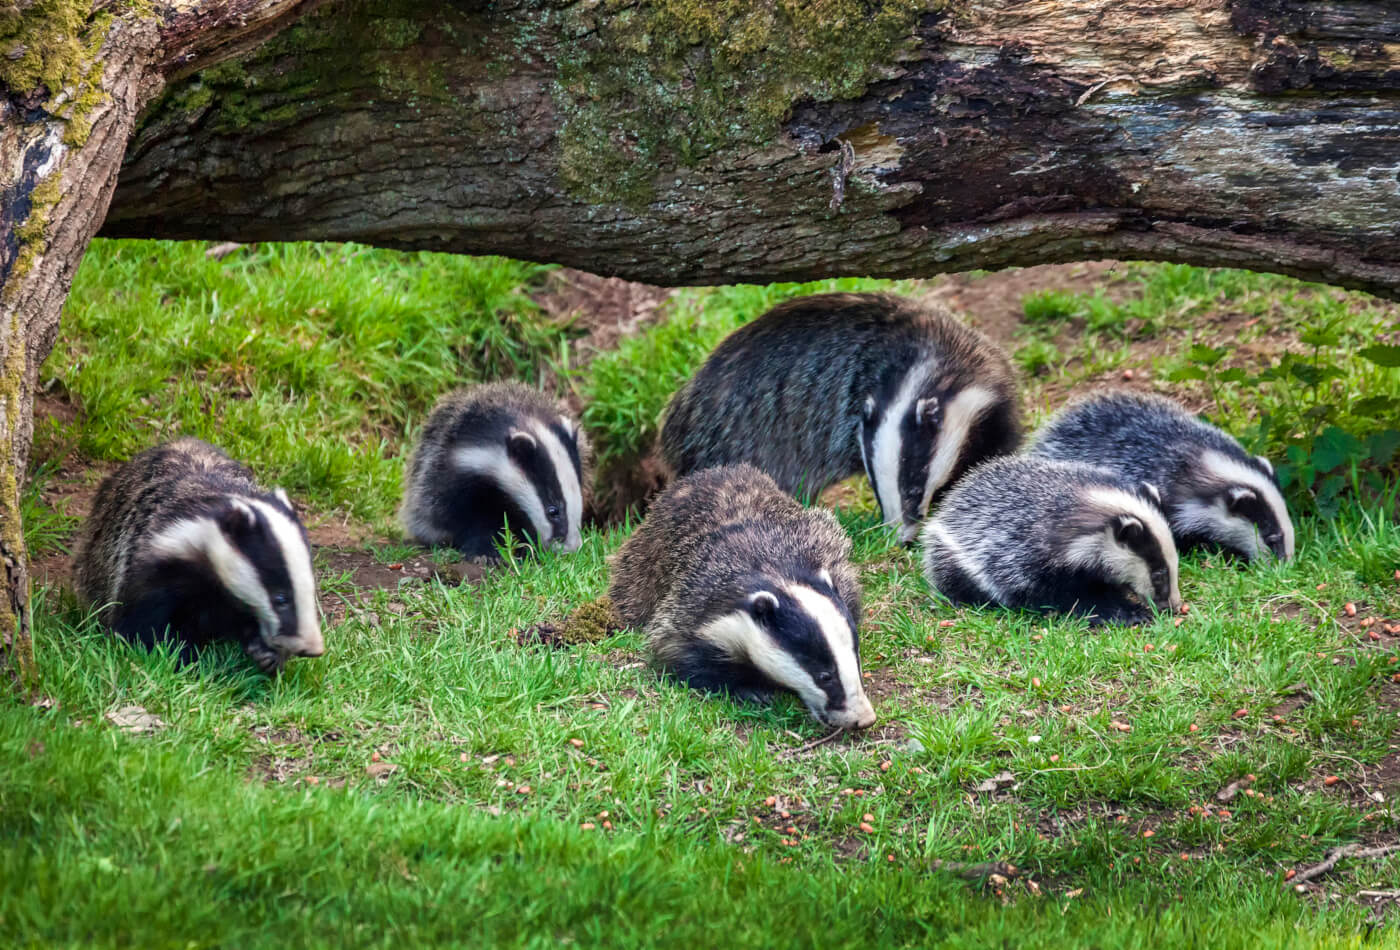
1221 510
1133 545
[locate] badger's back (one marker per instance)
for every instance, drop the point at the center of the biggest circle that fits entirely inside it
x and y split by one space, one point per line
1143 437
708 531
156 488
785 392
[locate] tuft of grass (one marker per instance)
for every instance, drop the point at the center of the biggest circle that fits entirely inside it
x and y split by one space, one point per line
315 362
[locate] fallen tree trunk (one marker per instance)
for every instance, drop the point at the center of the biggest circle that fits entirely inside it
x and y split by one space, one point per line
682 141
691 143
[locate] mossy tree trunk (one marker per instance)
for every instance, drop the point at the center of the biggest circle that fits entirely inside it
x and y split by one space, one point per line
74 77
691 141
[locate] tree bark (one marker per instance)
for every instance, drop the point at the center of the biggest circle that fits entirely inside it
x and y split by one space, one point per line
688 142
76 75
691 141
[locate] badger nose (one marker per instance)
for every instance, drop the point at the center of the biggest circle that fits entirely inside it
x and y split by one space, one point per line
859 714
908 532
310 647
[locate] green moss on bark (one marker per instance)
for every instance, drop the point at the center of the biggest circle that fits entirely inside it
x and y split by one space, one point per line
646 86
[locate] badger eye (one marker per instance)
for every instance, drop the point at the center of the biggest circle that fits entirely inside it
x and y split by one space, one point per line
826 679
552 511
280 600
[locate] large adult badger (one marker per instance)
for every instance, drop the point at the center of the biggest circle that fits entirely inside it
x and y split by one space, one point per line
182 541
742 590
1214 491
1027 532
492 456
821 387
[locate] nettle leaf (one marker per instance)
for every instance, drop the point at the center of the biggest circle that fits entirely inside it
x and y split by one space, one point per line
1381 354
1320 337
1209 355
1182 373
1232 375
1374 407
1335 447
1284 473
1313 373
1321 412
1382 446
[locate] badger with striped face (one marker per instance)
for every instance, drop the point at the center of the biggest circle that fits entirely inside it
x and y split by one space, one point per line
183 544
493 459
1038 534
820 388
743 591
1215 493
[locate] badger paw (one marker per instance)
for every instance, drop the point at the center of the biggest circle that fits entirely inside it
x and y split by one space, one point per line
267 659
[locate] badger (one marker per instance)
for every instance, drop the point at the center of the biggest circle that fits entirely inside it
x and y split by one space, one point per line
1214 491
1029 532
492 458
822 387
183 544
740 589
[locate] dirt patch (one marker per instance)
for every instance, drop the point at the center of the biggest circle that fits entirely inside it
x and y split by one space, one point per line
606 309
365 573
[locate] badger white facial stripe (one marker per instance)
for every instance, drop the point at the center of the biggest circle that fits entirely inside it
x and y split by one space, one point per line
1230 471
743 639
1111 501
202 537
493 462
568 483
840 638
953 551
297 556
959 416
888 446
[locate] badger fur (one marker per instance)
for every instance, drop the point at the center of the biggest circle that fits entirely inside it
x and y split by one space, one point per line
742 590
1214 492
822 387
1027 532
492 456
181 540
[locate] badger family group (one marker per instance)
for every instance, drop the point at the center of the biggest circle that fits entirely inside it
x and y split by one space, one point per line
739 586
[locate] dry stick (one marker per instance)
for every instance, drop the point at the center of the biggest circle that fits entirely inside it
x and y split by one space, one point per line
1336 854
814 743
1378 893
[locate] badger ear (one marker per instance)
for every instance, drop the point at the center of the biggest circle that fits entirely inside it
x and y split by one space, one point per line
520 444
1237 496
926 412
238 519
763 604
1267 465
867 411
1127 529
281 496
1151 491
824 576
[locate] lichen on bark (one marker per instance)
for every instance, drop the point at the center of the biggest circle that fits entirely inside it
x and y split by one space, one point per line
645 86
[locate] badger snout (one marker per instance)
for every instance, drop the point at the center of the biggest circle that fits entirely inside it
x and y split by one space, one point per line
858 714
315 648
568 544
908 532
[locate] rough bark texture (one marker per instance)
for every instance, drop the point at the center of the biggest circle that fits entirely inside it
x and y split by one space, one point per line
680 141
75 77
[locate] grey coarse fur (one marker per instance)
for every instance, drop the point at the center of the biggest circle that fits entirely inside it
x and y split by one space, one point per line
151 491
429 458
1014 518
1143 437
786 392
706 538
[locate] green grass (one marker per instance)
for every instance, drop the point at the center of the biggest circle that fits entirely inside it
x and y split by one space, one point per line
315 361
253 817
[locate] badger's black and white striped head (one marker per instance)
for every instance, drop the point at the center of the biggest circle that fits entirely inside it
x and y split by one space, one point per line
1236 503
1125 537
921 434
536 464
800 635
257 551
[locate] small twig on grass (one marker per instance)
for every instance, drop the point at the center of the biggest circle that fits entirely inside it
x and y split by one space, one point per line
1336 854
1395 894
975 872
813 744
